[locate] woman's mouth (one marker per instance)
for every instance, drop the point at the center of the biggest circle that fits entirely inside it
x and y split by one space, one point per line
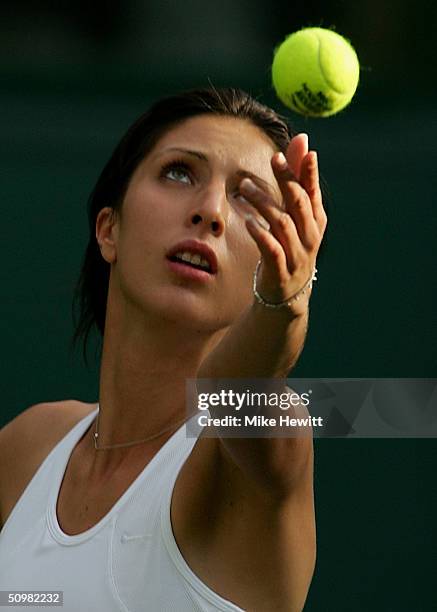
189 269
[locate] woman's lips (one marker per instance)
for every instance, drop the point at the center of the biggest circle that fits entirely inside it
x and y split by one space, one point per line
187 271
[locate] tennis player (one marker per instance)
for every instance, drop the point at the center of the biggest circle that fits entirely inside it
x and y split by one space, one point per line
205 227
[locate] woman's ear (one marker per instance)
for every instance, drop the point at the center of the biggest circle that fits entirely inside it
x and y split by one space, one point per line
107 233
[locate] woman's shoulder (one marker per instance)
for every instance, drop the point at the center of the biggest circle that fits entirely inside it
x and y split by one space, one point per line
27 440
40 426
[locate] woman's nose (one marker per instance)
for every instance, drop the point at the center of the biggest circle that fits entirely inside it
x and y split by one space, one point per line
215 224
211 210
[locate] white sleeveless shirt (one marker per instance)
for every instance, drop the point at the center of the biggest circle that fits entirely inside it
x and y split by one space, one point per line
129 561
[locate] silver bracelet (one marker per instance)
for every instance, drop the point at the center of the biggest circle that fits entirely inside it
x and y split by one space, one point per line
287 302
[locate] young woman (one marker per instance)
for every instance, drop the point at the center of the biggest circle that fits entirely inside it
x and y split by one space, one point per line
111 502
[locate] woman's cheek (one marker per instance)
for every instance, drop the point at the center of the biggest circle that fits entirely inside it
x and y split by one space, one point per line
245 254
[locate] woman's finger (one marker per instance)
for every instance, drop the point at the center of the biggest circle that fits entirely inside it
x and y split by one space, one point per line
296 151
271 250
281 224
296 201
311 183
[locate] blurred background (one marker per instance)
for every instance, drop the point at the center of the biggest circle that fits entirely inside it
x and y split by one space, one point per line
75 75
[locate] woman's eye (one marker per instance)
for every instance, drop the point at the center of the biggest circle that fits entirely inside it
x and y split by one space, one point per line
182 169
177 168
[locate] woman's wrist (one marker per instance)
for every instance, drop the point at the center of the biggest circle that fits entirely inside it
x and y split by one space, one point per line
291 303
298 308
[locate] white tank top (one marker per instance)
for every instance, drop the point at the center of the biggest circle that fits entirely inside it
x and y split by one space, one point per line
129 561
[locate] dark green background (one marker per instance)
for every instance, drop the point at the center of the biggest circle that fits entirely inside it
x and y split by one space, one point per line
72 82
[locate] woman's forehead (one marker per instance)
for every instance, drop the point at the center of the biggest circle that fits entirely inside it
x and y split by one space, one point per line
226 139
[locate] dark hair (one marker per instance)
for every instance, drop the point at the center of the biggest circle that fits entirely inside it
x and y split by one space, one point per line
91 290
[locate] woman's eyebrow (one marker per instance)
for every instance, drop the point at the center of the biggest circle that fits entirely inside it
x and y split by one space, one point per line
198 154
241 173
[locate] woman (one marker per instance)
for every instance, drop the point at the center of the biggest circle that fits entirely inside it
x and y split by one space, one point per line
112 503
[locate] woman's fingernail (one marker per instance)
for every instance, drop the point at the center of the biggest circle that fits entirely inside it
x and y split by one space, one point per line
248 186
312 158
282 161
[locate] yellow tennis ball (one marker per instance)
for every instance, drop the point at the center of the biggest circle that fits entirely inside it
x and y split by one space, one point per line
315 72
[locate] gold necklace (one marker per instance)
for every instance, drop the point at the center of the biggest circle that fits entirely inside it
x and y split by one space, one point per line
160 433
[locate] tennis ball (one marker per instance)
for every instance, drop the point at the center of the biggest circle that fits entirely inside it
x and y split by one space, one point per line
315 72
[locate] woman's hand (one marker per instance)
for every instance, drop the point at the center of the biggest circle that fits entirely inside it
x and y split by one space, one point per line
297 224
